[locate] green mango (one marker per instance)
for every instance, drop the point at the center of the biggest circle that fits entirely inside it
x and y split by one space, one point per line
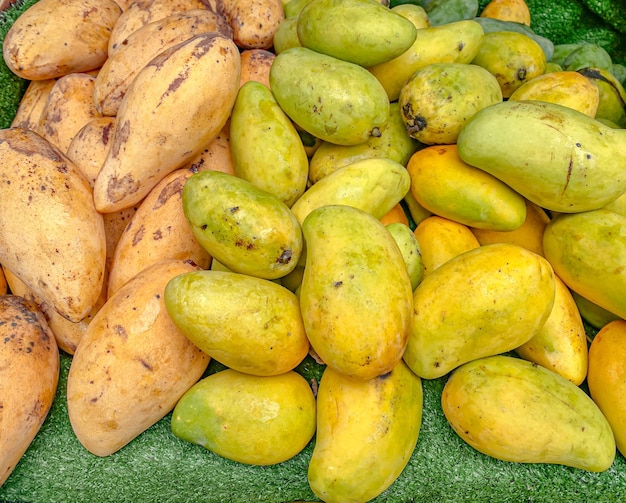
293 7
588 55
256 420
394 143
449 11
257 121
363 32
355 297
564 161
619 72
246 323
592 313
373 185
366 433
334 100
587 251
411 251
561 51
286 35
517 411
247 229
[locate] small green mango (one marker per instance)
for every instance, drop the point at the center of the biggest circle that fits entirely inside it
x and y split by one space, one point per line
588 55
286 35
364 32
256 420
565 161
248 324
257 121
411 251
334 100
517 411
245 228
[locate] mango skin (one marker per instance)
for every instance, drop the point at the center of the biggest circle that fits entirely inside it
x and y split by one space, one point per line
483 302
356 294
366 433
517 411
587 251
373 35
248 324
250 419
245 228
334 100
565 161
411 251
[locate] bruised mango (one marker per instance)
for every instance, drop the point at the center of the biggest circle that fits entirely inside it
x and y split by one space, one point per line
483 302
366 432
373 35
256 420
246 228
334 100
517 411
356 294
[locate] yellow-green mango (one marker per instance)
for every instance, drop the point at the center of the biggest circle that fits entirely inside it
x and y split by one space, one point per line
455 42
445 185
334 100
374 185
411 250
356 295
248 324
588 251
564 161
366 433
256 420
393 143
257 121
293 7
363 32
245 228
414 13
485 301
517 411
439 99
612 103
286 35
592 313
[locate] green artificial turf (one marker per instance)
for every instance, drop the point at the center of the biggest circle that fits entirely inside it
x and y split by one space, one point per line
157 467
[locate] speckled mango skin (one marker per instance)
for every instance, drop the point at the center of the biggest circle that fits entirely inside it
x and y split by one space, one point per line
514 410
245 228
257 420
356 294
366 433
483 302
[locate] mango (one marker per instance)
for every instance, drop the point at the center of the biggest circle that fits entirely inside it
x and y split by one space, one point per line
456 42
411 250
373 35
356 295
366 433
565 161
334 100
612 103
507 10
593 314
257 121
483 302
248 324
587 251
286 35
249 419
438 99
447 186
517 411
246 228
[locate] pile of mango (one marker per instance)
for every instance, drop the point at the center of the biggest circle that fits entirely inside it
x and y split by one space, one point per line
402 192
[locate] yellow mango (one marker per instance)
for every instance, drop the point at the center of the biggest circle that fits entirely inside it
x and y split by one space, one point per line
517 411
561 343
395 214
356 294
507 10
441 239
486 301
410 248
447 186
366 433
607 377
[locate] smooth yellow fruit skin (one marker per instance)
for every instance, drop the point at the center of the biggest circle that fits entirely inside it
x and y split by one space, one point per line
441 239
366 433
256 420
449 187
410 248
356 295
521 412
507 10
607 377
561 343
486 301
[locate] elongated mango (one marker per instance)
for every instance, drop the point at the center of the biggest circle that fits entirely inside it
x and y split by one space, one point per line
517 411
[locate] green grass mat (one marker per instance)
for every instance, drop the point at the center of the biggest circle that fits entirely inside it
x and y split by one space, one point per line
157 467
